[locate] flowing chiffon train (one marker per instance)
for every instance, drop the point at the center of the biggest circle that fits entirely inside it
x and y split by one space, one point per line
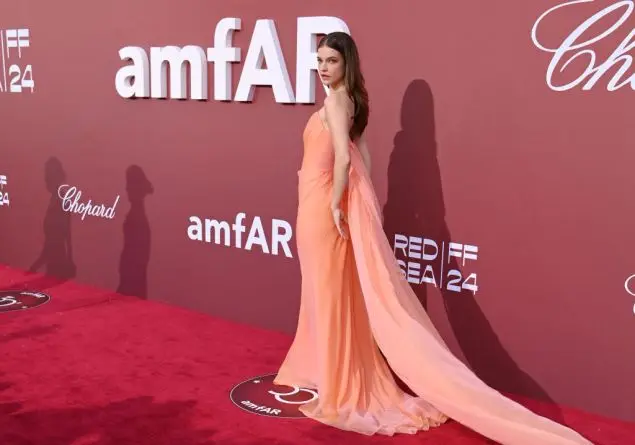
356 303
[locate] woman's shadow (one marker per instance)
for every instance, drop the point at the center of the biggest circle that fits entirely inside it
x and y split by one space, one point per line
57 252
135 256
415 207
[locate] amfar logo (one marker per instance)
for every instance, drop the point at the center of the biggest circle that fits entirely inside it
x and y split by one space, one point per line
4 195
71 197
147 77
219 232
261 396
619 61
19 300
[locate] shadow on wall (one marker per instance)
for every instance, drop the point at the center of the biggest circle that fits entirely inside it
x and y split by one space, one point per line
416 207
56 256
135 256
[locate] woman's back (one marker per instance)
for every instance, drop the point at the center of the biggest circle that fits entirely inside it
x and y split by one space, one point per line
318 147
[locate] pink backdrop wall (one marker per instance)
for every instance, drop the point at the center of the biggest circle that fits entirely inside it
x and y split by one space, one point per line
472 143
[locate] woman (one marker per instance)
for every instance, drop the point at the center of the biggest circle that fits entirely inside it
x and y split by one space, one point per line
355 303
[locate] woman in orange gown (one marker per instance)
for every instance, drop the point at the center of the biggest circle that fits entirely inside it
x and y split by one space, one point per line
356 303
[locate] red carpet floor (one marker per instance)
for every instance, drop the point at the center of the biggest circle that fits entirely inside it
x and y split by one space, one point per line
93 367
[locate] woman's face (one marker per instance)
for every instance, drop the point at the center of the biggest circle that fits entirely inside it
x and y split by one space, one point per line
330 66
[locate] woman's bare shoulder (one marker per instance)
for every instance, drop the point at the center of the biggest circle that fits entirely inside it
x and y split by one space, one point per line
339 102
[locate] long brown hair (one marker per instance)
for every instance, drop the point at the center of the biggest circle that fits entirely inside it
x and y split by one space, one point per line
353 78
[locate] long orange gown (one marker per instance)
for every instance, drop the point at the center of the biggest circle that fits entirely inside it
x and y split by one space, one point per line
356 303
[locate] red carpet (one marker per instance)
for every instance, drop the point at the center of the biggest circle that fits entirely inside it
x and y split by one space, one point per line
93 367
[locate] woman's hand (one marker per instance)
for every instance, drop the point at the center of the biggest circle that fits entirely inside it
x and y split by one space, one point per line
339 218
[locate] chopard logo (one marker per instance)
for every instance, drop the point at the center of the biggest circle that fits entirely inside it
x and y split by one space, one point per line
71 202
629 286
575 49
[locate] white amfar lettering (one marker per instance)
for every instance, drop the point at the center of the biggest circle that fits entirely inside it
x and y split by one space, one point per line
265 47
133 80
174 58
306 52
147 76
280 234
222 54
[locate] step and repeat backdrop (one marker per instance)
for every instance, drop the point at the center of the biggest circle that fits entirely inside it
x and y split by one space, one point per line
151 148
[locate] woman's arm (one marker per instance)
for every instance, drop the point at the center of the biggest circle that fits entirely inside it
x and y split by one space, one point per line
335 107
